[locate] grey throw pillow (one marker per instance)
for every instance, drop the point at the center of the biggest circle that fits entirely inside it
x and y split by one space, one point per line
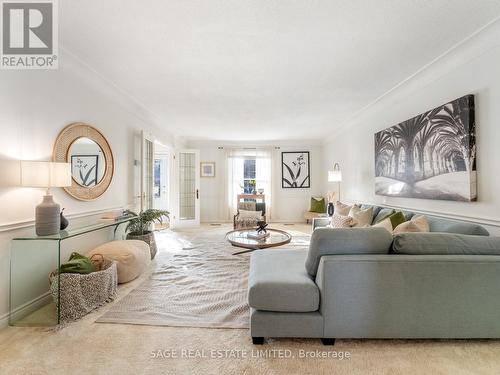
382 214
445 244
438 224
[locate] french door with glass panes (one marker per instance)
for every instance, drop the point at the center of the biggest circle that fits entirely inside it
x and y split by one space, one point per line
188 164
147 170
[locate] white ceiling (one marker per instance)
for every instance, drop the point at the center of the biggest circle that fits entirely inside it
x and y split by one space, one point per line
263 69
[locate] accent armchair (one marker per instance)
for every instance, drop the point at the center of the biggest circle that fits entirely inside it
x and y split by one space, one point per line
244 217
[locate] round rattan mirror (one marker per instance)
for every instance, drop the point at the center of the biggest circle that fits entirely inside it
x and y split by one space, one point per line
91 159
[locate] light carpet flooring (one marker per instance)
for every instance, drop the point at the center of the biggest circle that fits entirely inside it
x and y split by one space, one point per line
203 285
86 347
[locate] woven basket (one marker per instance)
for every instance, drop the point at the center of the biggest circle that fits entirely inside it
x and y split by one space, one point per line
82 293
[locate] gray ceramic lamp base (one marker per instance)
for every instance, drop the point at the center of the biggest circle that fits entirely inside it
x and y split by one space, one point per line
47 218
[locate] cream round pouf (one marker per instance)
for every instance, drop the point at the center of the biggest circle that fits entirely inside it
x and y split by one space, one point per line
132 257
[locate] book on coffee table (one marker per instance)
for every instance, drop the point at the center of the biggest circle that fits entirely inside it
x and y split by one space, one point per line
257 236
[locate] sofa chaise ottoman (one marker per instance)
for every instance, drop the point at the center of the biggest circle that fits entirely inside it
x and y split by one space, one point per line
365 283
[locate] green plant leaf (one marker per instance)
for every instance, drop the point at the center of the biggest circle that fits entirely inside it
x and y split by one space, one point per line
141 223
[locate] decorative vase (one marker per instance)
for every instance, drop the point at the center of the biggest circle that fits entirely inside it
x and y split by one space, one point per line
47 219
149 238
330 208
64 221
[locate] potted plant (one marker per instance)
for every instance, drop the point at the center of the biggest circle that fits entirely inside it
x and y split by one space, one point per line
139 228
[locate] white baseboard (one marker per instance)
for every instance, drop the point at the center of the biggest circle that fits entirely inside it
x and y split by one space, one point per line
26 309
36 303
4 320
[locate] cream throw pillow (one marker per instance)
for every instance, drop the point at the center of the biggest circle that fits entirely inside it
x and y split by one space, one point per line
421 222
244 214
416 224
340 208
132 257
362 218
406 227
341 221
386 224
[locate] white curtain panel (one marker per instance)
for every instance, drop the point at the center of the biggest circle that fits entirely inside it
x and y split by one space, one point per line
235 161
263 174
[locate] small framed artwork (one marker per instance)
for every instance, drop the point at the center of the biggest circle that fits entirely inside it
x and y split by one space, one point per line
295 170
207 169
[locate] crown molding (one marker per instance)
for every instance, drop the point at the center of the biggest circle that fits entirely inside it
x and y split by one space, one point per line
290 143
78 68
481 41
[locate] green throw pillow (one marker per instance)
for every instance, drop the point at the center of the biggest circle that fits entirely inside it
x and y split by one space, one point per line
318 206
397 218
381 216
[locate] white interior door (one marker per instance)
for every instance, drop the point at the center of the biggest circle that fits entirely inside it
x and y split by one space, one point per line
188 163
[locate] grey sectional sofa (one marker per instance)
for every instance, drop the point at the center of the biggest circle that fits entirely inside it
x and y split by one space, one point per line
363 283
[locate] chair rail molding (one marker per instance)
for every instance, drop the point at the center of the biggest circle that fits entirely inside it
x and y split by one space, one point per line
478 219
15 225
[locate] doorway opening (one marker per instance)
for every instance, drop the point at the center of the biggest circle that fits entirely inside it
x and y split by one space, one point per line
161 180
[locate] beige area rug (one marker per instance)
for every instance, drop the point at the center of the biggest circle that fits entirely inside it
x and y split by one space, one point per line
202 285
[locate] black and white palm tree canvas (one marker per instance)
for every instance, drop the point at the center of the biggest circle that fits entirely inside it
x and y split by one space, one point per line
431 156
295 170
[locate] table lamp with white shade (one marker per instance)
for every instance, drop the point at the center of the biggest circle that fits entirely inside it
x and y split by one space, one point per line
336 176
45 174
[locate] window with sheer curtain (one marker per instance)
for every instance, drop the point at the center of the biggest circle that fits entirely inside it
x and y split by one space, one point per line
248 170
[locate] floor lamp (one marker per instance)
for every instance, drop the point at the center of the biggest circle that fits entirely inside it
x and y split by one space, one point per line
336 176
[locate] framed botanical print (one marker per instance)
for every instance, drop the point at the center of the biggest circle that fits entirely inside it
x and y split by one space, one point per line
84 169
207 169
295 170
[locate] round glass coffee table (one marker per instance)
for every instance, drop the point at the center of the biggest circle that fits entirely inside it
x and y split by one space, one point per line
239 238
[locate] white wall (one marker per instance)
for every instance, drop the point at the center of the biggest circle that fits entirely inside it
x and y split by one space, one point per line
288 204
34 107
471 68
